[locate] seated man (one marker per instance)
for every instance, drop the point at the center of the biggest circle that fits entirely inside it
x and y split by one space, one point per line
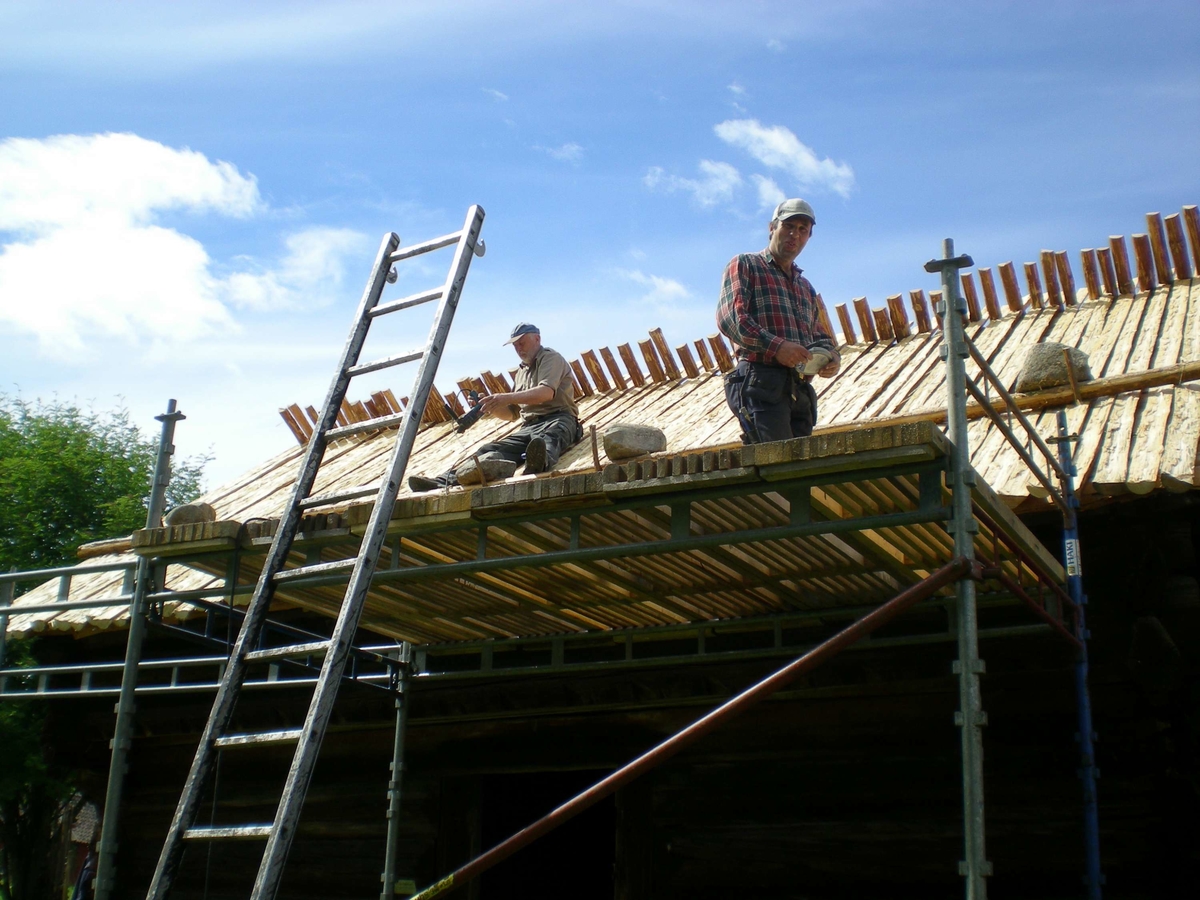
544 400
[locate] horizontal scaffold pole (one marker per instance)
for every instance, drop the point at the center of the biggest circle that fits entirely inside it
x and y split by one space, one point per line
943 577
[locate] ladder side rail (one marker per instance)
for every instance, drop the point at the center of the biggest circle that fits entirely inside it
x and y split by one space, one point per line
285 532
321 707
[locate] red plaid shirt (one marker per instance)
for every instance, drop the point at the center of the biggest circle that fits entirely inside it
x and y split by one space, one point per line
761 306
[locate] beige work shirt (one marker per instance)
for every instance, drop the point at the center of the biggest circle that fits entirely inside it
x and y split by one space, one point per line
548 368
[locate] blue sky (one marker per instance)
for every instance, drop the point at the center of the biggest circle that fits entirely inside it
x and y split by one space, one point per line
191 194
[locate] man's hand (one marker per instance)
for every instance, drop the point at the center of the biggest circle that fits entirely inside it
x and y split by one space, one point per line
830 370
499 405
792 355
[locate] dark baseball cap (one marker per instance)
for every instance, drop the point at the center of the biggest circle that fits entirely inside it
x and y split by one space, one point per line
522 328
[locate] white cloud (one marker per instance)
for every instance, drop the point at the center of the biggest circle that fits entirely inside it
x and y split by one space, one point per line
569 152
736 88
664 292
310 275
778 148
499 96
770 194
85 259
776 45
717 183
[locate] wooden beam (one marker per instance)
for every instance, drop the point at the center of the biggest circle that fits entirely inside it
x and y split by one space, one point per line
990 300
935 297
721 353
613 369
631 365
883 325
1035 285
899 317
1108 271
1191 218
596 371
1050 274
1145 263
921 311
1120 255
455 404
687 361
1158 246
843 315
1091 272
664 354
823 316
705 359
1066 278
652 363
295 424
1179 254
581 380
1012 291
971 295
863 310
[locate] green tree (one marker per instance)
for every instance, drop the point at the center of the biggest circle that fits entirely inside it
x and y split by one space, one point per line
70 475
67 476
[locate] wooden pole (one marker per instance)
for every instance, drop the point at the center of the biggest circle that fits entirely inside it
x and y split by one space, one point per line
721 353
706 360
1091 273
1035 285
990 300
899 317
1053 295
1145 262
1191 218
1066 279
863 310
594 369
1109 271
843 315
1158 245
664 354
1120 255
581 378
883 325
652 363
920 311
1179 254
631 365
613 369
1012 291
686 360
968 283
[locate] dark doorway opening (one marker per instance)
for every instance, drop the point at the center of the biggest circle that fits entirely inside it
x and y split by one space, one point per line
575 860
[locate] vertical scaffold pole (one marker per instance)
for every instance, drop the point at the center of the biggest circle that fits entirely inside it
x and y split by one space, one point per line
1088 772
393 814
971 718
123 729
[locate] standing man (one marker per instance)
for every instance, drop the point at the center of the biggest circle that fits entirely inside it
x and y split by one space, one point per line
544 401
768 309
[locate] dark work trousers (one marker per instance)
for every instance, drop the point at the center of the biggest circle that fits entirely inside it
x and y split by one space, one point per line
560 431
772 403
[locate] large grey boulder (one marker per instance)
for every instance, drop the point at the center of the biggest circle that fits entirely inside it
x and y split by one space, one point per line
627 441
190 514
493 470
1045 367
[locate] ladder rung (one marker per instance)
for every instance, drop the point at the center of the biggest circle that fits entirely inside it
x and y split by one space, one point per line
370 425
263 737
339 496
292 651
425 246
406 302
385 363
228 833
326 568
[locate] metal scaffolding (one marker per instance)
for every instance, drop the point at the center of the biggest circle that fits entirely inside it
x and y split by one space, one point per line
395 667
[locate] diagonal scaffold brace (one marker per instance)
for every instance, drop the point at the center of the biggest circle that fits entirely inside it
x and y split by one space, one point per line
954 571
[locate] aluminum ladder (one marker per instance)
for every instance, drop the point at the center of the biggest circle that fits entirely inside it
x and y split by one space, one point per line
216 735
